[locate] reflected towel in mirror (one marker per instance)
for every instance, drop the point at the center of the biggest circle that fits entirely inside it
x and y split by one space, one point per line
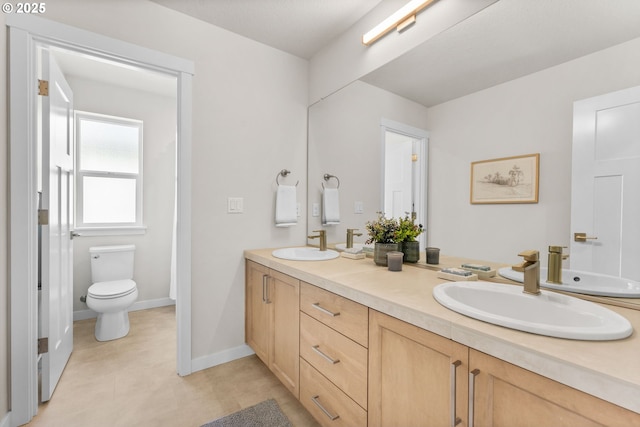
286 206
330 206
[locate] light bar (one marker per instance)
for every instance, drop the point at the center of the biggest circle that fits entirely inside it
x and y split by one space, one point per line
401 19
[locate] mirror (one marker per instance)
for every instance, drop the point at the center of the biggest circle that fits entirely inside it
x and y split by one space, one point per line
344 128
346 134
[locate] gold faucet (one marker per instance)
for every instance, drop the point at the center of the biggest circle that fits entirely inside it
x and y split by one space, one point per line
350 234
531 269
322 234
554 272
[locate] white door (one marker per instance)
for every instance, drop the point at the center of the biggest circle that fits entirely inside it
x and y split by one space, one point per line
56 306
398 175
606 184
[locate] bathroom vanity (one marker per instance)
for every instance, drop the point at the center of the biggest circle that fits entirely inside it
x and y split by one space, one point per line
361 345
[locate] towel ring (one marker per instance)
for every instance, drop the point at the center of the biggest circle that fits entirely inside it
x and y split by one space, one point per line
284 173
327 177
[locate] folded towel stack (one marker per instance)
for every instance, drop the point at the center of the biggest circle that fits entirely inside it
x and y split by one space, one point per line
286 206
330 206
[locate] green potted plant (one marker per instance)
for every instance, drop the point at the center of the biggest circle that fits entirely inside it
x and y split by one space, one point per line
382 232
406 235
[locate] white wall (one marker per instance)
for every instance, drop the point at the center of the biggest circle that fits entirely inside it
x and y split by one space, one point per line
533 114
153 249
249 122
345 140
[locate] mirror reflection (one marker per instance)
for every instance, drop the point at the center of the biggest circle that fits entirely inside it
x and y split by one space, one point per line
482 102
347 140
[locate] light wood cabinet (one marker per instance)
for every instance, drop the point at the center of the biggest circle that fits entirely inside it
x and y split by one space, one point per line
329 405
353 366
416 378
257 311
272 326
508 396
333 357
339 313
411 378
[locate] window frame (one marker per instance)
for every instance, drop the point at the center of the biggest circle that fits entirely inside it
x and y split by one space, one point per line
109 228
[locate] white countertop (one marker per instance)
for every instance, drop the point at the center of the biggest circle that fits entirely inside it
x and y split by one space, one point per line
609 370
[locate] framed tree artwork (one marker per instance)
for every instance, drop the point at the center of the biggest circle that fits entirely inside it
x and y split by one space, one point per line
505 180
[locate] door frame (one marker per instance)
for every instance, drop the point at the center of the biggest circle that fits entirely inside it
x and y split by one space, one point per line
24 32
420 179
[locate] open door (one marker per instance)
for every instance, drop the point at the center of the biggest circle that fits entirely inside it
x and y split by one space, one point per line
605 204
56 221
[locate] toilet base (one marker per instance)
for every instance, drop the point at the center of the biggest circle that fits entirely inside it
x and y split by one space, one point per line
111 326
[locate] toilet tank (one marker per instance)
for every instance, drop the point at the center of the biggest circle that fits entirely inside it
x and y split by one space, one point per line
111 262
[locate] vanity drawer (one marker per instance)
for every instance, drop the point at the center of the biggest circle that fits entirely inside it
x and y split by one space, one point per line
328 405
345 316
341 360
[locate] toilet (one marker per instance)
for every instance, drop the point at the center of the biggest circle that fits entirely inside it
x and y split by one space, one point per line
113 290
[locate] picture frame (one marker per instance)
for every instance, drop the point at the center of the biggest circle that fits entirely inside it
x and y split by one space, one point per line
505 180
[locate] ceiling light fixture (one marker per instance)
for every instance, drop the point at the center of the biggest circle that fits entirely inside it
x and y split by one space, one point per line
401 20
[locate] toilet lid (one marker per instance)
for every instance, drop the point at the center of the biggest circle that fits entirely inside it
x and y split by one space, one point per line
112 289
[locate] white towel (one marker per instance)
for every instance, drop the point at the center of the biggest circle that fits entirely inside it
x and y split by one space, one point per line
330 206
286 206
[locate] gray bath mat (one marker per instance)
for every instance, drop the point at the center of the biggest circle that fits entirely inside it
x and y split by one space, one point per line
264 414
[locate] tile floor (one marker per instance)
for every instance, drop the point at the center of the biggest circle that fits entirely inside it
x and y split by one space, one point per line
133 382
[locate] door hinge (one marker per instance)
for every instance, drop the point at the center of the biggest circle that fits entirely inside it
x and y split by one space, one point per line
43 217
43 345
43 88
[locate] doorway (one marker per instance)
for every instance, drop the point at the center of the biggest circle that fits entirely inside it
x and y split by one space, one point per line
24 31
404 173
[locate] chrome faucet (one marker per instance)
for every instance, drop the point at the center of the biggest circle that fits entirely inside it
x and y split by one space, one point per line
350 234
554 272
322 234
531 269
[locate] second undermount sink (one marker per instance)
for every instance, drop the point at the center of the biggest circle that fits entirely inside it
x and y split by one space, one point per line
305 254
582 282
549 313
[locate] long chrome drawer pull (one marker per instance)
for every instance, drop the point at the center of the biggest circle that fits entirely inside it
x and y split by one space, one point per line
454 420
316 305
327 413
472 383
325 356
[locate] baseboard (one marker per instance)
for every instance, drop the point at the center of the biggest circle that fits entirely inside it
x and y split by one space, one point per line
138 305
219 358
6 421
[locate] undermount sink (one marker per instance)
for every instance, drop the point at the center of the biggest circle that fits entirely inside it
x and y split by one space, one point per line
305 254
582 282
550 314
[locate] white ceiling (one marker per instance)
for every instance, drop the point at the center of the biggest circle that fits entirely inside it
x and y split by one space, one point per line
300 27
507 40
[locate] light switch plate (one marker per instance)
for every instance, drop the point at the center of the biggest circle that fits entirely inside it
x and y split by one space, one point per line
315 209
235 205
358 207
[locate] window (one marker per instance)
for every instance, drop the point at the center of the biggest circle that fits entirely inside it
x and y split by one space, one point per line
108 172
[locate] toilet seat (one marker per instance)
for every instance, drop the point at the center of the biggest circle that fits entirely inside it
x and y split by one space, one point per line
112 289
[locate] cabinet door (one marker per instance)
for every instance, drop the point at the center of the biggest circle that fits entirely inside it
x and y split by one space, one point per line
416 378
284 354
257 310
508 396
